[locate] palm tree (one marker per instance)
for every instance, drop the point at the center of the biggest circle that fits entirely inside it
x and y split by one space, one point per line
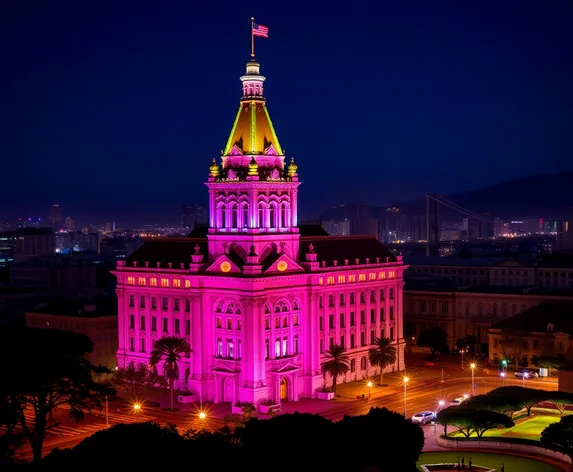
337 363
170 350
382 355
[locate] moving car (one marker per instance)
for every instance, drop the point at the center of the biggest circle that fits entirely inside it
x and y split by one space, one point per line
424 417
528 374
457 401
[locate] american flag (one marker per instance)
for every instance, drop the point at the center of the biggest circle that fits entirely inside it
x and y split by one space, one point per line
260 30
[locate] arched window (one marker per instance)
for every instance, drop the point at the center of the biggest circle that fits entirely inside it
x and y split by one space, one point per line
233 223
244 215
353 365
272 215
262 214
284 216
223 217
363 363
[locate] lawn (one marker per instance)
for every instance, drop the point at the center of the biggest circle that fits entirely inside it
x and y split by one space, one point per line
493 461
528 429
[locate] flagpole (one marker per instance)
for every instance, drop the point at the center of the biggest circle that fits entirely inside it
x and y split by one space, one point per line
252 37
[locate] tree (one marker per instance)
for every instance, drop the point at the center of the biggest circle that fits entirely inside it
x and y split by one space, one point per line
516 343
559 436
467 342
435 338
10 440
512 398
470 420
561 400
336 363
382 355
548 362
133 378
170 350
45 369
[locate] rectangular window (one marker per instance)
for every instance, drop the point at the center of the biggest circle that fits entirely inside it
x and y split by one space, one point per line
153 282
229 323
342 320
165 325
372 336
177 326
382 295
165 303
381 315
267 350
391 313
154 323
352 320
219 348
321 345
131 344
131 321
153 303
391 294
230 348
187 284
142 302
142 347
141 281
187 327
277 348
320 325
131 301
331 301
239 350
352 343
296 344
177 283
176 304
372 316
142 322
239 325
131 280
343 342
165 282
363 338
187 306
331 322
392 333
285 345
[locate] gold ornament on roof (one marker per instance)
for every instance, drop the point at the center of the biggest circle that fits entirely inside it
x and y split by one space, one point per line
215 169
292 167
253 167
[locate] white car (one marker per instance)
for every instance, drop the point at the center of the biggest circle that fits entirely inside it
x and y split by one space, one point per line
424 417
457 401
528 374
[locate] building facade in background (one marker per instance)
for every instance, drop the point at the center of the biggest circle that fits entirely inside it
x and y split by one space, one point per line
259 297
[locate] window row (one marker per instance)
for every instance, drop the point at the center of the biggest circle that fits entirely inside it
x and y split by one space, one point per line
230 323
350 341
164 325
175 283
352 319
267 215
282 321
351 298
164 303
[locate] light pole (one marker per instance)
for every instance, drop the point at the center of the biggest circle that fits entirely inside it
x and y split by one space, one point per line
441 404
473 368
523 377
106 413
502 375
406 379
369 385
462 351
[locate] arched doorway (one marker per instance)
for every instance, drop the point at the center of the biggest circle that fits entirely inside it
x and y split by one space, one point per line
284 390
229 390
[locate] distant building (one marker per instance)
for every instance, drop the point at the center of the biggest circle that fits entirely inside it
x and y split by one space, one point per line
56 217
98 323
337 228
69 224
544 330
191 214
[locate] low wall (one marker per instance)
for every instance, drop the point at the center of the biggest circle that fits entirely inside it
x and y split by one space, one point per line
502 446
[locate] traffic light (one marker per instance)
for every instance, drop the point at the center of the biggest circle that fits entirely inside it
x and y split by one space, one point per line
504 362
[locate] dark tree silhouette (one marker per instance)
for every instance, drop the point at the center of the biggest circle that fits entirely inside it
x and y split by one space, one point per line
470 421
436 339
559 436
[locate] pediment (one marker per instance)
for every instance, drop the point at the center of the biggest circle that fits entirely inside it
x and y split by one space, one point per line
235 151
223 265
284 264
271 151
287 368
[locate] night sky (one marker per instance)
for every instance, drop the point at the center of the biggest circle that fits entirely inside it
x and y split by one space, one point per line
114 109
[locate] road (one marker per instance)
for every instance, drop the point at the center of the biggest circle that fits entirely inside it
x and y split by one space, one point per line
424 390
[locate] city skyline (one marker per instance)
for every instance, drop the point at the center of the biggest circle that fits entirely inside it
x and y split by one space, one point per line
111 117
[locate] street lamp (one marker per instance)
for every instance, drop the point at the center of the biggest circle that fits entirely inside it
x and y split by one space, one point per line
406 379
136 407
106 413
523 377
202 415
504 364
441 404
473 368
369 385
462 351
502 375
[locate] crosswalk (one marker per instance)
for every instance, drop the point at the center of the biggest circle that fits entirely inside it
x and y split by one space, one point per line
71 427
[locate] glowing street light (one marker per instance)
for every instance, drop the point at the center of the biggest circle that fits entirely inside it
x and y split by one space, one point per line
473 368
136 407
369 385
523 377
202 415
441 404
502 375
406 380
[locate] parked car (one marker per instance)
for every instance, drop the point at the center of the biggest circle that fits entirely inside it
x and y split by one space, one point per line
528 374
424 417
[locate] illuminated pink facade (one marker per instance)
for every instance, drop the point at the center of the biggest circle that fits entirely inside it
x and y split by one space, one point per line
258 296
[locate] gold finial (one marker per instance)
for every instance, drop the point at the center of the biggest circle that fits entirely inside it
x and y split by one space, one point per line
215 169
253 167
292 167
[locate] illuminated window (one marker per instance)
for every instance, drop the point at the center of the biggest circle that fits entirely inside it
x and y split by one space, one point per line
371 276
239 325
219 347
187 284
219 323
295 319
277 348
165 282
330 280
267 353
177 283
229 348
141 281
391 274
351 278
267 324
362 277
341 279
153 282
285 345
131 280
229 324
321 281
239 350
382 275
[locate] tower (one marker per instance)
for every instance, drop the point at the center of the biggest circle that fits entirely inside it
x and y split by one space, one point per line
252 192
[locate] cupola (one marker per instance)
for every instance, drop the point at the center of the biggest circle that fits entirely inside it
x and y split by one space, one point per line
215 169
292 168
253 168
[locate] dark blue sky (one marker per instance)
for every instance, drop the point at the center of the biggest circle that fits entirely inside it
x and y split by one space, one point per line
114 109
